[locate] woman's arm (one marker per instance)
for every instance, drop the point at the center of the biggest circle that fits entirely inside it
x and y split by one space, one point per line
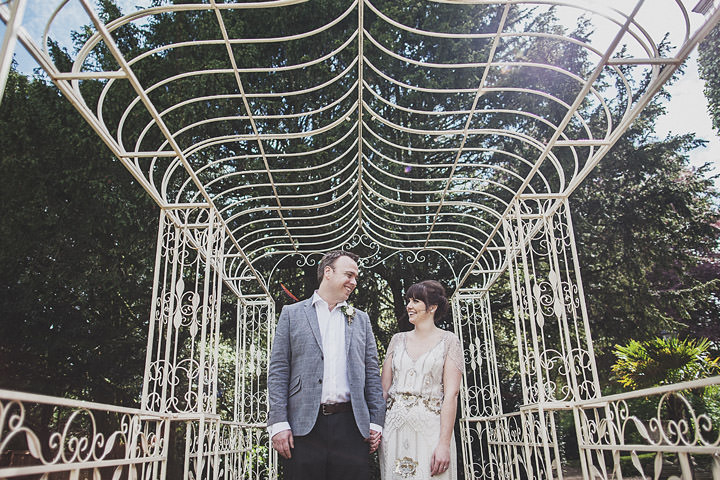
386 376
452 377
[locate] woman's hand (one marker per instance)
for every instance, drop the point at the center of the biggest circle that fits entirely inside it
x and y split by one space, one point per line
440 460
374 440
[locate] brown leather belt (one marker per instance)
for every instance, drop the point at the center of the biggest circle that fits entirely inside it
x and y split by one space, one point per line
330 408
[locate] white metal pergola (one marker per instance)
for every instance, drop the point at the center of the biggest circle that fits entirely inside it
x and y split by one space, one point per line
371 143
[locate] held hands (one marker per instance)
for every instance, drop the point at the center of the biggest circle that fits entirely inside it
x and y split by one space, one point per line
283 442
440 460
374 440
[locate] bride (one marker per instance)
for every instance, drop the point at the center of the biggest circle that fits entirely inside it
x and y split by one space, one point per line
421 379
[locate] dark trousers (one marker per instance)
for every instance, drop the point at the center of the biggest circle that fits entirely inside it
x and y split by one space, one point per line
333 450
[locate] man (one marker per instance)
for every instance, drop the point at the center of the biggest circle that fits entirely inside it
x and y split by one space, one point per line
326 402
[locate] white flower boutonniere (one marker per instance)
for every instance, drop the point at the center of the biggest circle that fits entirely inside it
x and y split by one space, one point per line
349 312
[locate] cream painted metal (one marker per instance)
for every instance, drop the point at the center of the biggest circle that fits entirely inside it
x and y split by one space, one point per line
10 40
86 440
368 145
182 352
549 304
678 426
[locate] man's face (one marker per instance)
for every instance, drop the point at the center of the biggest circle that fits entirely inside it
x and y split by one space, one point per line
341 278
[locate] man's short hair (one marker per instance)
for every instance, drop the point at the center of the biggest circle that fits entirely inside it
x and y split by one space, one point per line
328 260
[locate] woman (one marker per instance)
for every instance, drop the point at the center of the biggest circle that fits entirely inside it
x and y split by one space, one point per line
421 379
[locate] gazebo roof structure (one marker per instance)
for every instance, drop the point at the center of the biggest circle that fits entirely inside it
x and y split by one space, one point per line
274 131
366 125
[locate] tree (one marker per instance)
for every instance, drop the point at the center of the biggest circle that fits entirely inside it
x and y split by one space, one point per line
76 255
645 225
643 219
709 69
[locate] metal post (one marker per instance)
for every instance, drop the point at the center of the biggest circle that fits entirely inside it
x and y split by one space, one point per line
17 11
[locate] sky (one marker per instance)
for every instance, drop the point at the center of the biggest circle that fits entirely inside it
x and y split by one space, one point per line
686 112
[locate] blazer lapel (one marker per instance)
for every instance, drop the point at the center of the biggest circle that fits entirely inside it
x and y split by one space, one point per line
312 319
349 329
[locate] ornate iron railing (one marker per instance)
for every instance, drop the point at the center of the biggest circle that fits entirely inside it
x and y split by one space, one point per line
41 435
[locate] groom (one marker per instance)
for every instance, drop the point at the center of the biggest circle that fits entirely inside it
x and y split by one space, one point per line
326 402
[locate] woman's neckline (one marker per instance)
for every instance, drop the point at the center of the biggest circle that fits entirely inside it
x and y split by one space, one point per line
415 360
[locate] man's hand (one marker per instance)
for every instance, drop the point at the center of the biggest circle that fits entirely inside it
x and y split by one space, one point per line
283 443
374 440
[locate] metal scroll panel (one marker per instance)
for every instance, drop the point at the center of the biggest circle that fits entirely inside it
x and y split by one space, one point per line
216 449
233 443
256 325
480 399
214 380
671 431
181 363
555 351
555 359
42 437
495 444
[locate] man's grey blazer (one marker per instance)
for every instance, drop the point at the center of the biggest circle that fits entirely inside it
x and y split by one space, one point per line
295 373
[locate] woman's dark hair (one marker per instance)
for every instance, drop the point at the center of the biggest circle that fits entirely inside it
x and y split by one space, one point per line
430 292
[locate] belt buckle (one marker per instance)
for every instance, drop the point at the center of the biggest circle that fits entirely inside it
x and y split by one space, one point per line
323 410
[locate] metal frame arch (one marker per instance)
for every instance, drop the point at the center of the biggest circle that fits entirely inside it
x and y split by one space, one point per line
329 171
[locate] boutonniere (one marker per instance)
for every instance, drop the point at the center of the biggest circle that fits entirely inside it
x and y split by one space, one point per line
349 312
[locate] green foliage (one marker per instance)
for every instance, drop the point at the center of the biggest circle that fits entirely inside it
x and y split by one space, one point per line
662 361
708 403
709 69
76 254
645 225
78 234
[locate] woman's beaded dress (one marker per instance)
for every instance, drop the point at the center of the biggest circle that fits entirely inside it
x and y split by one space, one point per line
412 422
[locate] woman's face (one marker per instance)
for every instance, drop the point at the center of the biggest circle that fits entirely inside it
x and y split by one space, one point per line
417 311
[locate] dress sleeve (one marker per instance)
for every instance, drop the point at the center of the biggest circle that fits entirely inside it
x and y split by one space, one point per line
455 352
393 344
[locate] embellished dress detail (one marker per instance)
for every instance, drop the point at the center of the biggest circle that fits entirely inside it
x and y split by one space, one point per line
412 422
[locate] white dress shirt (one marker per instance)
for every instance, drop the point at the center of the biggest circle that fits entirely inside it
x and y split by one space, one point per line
335 387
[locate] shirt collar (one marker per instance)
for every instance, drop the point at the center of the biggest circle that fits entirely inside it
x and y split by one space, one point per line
317 298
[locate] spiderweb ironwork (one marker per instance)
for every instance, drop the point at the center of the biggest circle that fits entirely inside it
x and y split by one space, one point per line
369 123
